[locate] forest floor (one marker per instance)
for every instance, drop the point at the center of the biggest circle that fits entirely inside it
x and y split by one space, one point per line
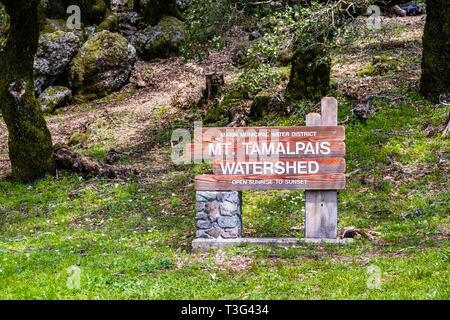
132 239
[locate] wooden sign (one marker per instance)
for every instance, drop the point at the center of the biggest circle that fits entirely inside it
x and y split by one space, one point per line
281 158
264 158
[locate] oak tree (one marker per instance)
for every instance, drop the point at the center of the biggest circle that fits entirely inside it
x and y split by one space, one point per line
435 80
30 144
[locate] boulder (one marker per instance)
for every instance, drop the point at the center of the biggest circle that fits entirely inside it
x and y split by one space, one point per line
78 138
102 66
183 5
222 113
160 41
55 50
255 35
380 65
121 5
111 23
129 23
59 24
259 105
153 10
239 56
53 98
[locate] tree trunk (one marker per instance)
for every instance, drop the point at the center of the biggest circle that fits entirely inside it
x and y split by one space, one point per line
310 75
67 159
30 144
435 78
214 83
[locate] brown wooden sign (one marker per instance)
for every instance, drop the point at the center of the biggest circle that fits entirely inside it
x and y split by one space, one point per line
264 158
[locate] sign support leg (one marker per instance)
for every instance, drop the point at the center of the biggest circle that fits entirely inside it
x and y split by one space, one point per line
321 206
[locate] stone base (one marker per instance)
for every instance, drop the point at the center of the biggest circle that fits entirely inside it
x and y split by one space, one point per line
207 244
219 214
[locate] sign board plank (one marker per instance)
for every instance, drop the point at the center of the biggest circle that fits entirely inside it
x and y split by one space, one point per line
270 182
280 166
256 149
315 133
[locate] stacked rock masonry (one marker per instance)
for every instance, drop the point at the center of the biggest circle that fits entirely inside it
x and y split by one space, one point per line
219 214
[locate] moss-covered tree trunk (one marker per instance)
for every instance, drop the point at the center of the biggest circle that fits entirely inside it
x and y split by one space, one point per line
30 144
310 74
435 78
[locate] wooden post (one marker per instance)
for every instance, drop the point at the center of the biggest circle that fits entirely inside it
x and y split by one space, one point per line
214 82
321 206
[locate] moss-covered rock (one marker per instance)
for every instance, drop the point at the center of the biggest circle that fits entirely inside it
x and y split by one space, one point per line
310 75
259 105
78 138
53 98
221 113
379 66
58 25
154 10
102 66
160 41
55 51
239 56
183 5
122 5
111 23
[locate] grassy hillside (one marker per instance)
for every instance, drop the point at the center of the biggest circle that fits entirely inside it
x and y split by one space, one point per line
132 239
